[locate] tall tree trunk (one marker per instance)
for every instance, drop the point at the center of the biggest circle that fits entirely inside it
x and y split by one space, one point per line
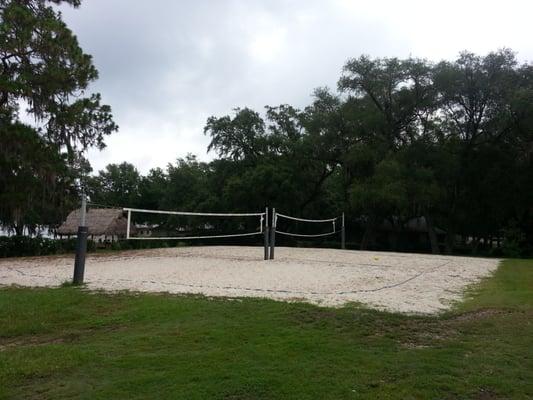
369 237
433 240
475 245
449 241
19 229
316 188
394 238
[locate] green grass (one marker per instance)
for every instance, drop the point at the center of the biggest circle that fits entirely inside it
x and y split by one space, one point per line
70 343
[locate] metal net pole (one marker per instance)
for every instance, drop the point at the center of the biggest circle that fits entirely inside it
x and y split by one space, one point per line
81 245
128 226
273 234
343 234
266 234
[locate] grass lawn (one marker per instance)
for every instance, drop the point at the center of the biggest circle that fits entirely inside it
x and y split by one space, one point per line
69 343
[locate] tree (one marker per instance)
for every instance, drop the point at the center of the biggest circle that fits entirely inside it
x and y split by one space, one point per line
394 103
473 92
152 189
43 66
422 160
35 185
277 148
238 138
404 139
187 185
380 196
400 92
118 185
481 100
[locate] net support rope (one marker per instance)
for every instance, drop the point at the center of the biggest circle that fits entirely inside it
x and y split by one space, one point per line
195 237
302 235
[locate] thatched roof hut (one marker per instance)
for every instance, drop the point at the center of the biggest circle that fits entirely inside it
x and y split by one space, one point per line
100 221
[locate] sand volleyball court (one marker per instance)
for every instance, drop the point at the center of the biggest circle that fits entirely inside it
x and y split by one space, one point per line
411 283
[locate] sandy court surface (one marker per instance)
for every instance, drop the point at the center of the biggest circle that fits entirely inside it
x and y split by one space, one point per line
411 283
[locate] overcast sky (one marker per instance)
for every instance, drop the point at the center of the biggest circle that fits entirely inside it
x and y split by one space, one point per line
166 66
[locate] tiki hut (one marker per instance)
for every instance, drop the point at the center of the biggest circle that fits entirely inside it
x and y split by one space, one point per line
105 224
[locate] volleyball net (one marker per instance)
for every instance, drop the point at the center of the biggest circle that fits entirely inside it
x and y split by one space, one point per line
302 228
184 225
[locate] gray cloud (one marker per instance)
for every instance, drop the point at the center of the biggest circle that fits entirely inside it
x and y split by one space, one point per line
165 66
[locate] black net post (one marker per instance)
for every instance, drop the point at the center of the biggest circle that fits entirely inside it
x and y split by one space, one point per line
273 234
81 251
81 246
266 234
343 234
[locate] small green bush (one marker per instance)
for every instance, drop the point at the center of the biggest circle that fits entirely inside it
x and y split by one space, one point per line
513 241
25 246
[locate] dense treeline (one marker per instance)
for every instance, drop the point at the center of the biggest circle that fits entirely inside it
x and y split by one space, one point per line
401 139
446 144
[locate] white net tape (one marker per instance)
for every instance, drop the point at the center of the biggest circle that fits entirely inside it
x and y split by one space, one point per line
199 214
138 210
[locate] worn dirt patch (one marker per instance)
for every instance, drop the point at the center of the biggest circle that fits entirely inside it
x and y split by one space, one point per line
47 339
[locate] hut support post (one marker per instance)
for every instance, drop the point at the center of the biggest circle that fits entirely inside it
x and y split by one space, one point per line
81 246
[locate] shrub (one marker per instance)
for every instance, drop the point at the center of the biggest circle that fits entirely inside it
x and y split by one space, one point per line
513 241
25 246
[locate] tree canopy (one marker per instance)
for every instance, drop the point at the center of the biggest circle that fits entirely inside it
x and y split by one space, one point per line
44 67
44 76
449 144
